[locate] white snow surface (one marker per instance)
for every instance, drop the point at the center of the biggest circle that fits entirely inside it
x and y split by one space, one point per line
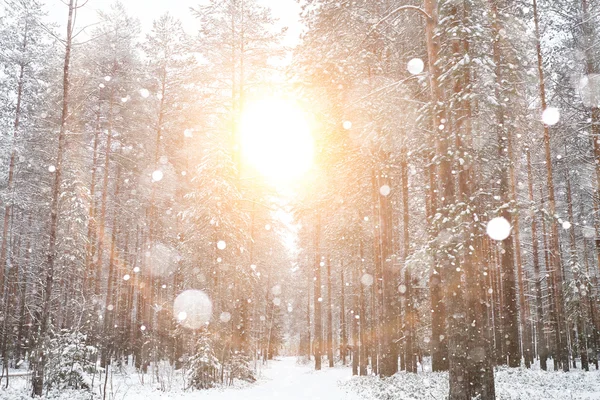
282 379
285 379
511 384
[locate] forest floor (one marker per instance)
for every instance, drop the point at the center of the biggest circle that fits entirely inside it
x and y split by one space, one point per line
511 384
283 379
286 379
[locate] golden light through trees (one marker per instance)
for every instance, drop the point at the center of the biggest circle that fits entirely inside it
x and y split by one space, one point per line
276 139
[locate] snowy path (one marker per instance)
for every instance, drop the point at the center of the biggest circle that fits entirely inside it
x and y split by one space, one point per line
286 380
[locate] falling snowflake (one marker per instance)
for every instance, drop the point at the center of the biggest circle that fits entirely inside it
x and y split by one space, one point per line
347 125
157 176
415 66
367 279
225 316
221 245
145 93
551 116
276 290
498 229
385 190
197 308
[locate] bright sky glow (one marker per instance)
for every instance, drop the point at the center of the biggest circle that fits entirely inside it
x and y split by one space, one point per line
276 139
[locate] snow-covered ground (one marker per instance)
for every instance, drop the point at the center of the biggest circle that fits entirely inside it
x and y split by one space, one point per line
511 384
282 379
285 379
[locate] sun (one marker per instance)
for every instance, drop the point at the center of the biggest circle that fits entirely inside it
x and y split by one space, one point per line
276 139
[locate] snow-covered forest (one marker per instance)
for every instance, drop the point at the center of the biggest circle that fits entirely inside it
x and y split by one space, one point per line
408 194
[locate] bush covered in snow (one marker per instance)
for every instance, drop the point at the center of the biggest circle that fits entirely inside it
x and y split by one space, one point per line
204 366
70 361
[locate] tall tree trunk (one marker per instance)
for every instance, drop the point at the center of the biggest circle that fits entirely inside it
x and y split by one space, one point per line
541 337
92 226
343 334
510 312
329 315
355 315
409 314
579 307
362 317
13 155
439 344
109 304
561 337
39 359
104 201
308 325
318 337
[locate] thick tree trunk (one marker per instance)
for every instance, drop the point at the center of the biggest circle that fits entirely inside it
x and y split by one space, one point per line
439 346
509 311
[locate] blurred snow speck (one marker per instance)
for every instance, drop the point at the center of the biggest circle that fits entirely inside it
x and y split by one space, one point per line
551 116
161 259
385 190
145 93
195 305
347 125
225 316
415 66
221 245
276 290
157 175
367 279
498 228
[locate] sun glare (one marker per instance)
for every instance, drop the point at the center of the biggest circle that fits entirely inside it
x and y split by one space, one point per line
276 139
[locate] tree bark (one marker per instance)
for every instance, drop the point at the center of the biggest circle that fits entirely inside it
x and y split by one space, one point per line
541 338
39 358
561 337
318 336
